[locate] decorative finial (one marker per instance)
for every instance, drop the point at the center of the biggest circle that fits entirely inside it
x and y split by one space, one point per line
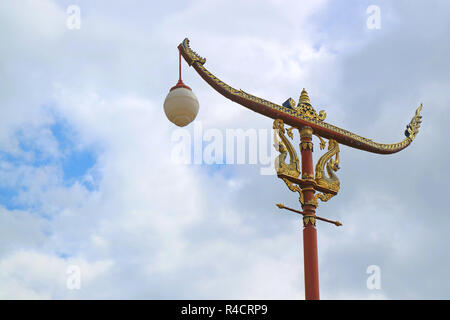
412 129
304 98
305 109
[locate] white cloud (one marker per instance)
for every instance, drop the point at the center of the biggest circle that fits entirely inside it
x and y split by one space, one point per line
36 275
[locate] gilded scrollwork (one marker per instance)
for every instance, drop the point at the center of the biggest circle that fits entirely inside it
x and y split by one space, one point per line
294 188
307 176
330 162
306 146
193 56
309 220
323 143
323 196
412 129
284 146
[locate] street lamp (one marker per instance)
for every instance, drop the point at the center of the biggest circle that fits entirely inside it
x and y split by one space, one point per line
311 183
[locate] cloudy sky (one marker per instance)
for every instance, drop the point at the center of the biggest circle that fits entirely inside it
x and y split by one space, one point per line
87 178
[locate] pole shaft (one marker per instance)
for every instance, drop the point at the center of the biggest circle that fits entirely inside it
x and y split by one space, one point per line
310 257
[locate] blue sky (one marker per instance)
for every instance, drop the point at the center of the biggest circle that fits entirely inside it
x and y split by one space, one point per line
86 177
72 161
75 163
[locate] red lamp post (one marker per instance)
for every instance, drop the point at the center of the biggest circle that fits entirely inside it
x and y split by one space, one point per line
319 182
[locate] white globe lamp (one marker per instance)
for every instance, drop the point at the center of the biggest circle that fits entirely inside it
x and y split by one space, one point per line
181 104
